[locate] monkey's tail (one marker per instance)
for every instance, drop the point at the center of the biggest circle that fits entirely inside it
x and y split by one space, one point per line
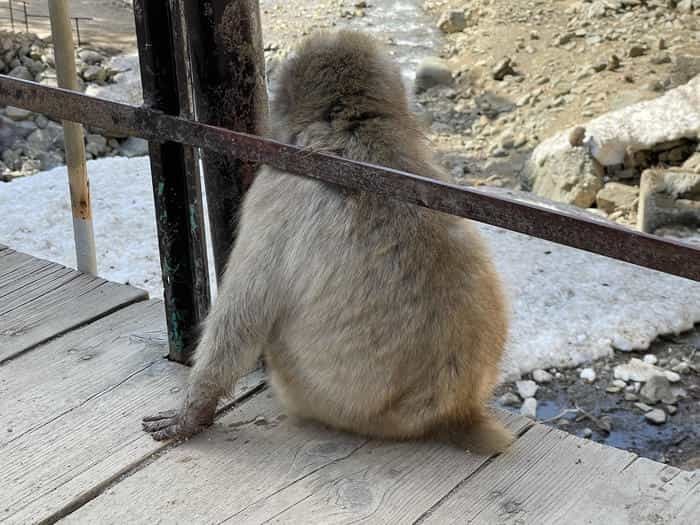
483 434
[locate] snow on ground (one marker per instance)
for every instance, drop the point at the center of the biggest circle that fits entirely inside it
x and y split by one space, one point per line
568 306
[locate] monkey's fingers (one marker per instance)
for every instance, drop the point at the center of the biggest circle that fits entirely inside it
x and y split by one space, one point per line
160 424
167 414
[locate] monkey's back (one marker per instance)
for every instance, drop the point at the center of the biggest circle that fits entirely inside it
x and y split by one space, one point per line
391 317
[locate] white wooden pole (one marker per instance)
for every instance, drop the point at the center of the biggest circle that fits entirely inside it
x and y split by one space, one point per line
73 137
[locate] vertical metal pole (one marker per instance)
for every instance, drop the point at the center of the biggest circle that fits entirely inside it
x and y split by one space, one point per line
228 70
12 16
176 188
77 31
26 18
73 137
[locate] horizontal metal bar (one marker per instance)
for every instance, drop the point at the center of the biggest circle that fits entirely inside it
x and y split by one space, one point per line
560 227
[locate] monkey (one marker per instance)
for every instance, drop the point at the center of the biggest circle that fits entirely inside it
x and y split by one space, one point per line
373 316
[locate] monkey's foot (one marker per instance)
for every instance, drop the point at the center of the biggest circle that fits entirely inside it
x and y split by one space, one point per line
177 424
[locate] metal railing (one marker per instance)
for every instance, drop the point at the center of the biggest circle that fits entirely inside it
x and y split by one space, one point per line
184 265
14 8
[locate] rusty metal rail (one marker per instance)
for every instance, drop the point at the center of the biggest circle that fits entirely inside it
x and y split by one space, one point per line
587 234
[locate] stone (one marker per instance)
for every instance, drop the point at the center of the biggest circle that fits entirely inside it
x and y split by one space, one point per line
644 407
660 58
526 388
12 131
90 56
95 74
636 51
41 121
48 138
636 127
588 375
587 433
692 163
636 370
597 10
656 416
576 136
452 21
574 177
134 147
502 69
671 409
672 377
668 196
613 63
615 196
619 383
432 72
17 113
529 408
658 388
50 159
629 396
685 6
509 399
96 144
541 376
650 359
21 72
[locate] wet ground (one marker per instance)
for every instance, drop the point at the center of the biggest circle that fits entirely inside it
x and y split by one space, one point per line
612 418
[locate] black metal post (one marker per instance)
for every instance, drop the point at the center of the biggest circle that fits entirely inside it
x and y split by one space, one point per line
176 187
12 16
26 18
228 81
77 31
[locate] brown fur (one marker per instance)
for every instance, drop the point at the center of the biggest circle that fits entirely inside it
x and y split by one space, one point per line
374 316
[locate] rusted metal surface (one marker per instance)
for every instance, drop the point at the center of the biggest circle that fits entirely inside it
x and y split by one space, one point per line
176 188
224 41
587 234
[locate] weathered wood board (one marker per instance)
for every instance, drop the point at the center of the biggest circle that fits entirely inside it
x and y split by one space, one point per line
256 465
71 410
40 299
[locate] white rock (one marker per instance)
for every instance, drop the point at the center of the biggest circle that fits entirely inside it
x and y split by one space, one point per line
674 115
541 376
619 383
672 376
656 416
588 375
636 370
529 408
526 388
650 359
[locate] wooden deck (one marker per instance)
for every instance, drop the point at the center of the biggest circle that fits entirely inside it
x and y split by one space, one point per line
82 360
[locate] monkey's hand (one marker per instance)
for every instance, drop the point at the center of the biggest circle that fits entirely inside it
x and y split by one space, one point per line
196 414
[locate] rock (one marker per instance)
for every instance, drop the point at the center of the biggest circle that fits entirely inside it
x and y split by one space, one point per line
50 159
657 389
21 72
672 377
541 376
586 432
636 51
11 131
432 72
452 21
644 407
597 10
526 388
656 416
573 177
588 375
90 57
685 6
96 144
636 370
650 359
614 196
670 196
41 121
509 399
17 113
637 127
660 58
619 383
134 147
671 410
692 163
95 74
529 408
46 139
629 396
502 69
613 63
576 136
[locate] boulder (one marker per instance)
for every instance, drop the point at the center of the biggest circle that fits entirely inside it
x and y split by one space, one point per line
432 72
616 196
670 196
452 21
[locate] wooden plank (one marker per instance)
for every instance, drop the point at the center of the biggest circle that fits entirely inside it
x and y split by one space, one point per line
70 422
255 464
40 300
554 477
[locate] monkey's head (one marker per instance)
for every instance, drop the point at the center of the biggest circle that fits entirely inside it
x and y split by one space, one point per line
338 84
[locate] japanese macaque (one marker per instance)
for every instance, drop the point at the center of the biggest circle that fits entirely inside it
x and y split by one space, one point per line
374 316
